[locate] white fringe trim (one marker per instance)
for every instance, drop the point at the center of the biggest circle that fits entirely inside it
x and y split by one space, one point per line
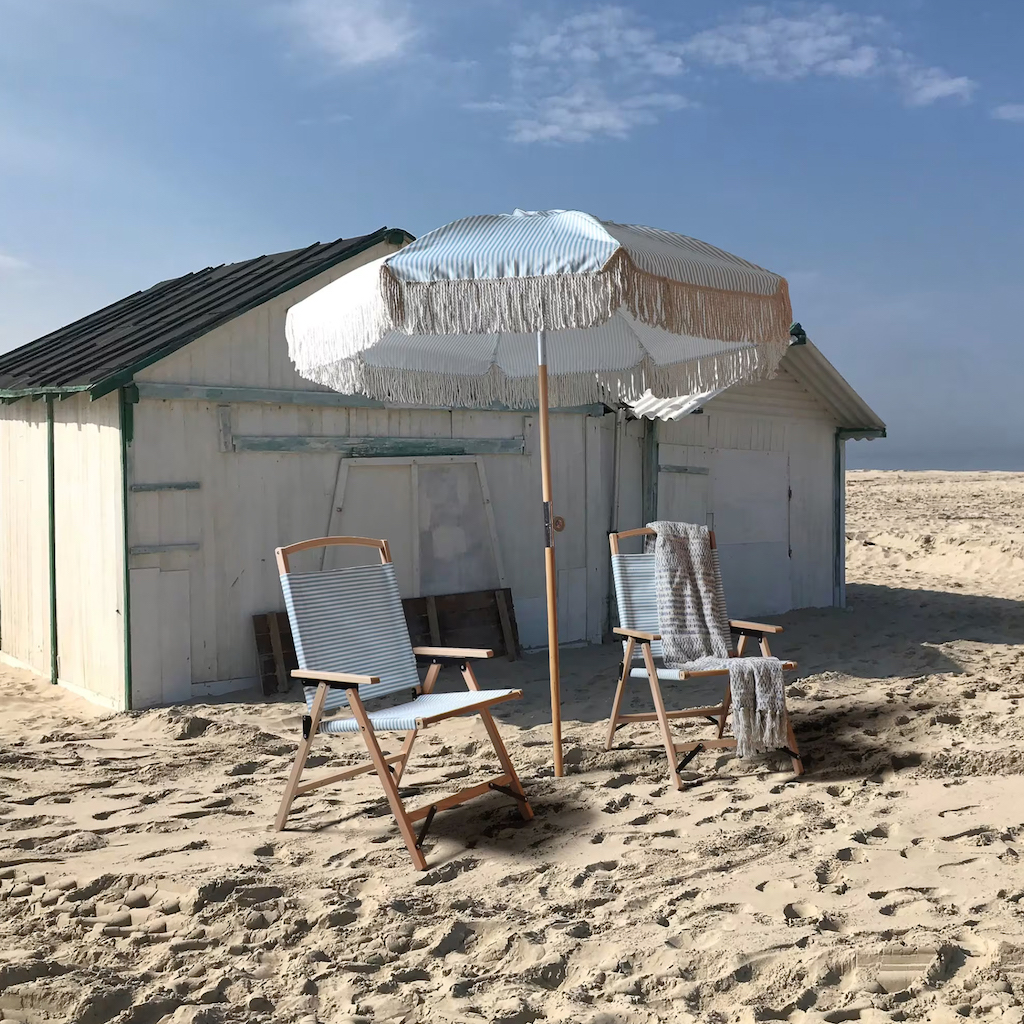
445 390
321 330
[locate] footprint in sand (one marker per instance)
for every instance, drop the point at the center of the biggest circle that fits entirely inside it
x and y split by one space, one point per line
591 869
448 871
958 810
613 806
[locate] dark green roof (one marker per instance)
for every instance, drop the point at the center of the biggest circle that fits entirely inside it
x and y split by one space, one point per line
104 350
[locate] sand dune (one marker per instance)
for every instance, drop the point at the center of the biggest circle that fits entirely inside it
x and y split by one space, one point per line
139 881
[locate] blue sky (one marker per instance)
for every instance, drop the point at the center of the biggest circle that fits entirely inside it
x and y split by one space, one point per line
870 151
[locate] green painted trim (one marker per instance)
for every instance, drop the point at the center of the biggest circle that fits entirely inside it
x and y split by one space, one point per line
649 474
839 520
286 396
383 447
159 549
860 435
125 424
185 485
693 470
16 393
267 396
51 507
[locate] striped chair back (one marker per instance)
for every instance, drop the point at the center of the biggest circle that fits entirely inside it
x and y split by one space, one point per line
351 620
636 592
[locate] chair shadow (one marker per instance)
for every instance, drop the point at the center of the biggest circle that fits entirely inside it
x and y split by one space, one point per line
884 632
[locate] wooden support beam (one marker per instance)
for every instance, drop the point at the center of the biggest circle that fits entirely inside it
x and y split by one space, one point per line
282 396
159 549
184 485
382 447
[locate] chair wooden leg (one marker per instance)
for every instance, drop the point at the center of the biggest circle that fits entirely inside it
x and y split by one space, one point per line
300 757
431 681
726 702
797 762
499 747
404 754
387 780
766 651
659 707
620 692
741 645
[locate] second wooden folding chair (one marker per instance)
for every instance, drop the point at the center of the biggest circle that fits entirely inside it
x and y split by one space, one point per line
636 595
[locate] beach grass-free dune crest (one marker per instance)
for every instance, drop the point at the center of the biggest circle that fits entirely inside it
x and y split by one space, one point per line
140 883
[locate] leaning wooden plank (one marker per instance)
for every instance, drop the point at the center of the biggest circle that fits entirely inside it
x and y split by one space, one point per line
511 647
283 682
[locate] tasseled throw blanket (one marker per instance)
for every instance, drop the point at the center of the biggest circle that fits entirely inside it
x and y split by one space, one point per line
695 634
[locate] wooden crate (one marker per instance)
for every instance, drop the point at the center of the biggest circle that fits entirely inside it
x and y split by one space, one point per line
275 651
481 618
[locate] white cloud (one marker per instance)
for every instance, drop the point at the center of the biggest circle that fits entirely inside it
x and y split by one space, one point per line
11 264
1009 112
823 41
353 33
604 73
601 73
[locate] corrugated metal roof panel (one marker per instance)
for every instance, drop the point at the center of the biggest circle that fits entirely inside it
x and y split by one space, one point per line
105 348
810 368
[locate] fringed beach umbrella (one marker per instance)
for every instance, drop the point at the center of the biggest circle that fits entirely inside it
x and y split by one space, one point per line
553 308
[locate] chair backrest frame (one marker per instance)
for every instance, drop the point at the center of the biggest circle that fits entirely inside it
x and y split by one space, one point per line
397 657
325 542
646 531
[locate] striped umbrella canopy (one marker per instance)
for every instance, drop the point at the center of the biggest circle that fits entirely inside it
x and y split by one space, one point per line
553 305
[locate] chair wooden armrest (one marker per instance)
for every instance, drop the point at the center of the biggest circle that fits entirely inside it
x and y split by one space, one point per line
452 653
334 679
752 628
636 634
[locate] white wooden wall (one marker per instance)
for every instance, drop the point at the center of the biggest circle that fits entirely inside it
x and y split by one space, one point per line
248 503
90 547
795 433
24 536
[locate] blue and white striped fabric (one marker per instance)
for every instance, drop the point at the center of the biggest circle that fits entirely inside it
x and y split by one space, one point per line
451 319
403 717
351 620
636 595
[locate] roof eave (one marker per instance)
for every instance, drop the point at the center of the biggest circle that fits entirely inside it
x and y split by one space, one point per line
854 417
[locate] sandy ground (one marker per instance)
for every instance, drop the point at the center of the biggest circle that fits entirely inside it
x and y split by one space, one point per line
139 880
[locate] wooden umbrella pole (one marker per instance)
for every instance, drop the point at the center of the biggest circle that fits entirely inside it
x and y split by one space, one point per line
549 551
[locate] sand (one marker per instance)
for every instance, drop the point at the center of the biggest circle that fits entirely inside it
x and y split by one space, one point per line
139 880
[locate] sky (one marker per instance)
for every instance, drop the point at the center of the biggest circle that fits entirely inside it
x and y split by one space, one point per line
869 150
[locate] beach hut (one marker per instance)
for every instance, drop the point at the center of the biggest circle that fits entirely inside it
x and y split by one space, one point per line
153 455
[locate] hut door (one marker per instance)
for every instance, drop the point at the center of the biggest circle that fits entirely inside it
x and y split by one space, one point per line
161 637
750 505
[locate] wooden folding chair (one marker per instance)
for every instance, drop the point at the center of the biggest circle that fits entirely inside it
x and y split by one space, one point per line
352 645
636 595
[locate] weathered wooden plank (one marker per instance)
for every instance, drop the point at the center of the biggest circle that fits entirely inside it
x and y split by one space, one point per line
382 447
157 549
278 649
435 629
184 485
288 396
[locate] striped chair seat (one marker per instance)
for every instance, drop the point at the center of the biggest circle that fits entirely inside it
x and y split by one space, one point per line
403 717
